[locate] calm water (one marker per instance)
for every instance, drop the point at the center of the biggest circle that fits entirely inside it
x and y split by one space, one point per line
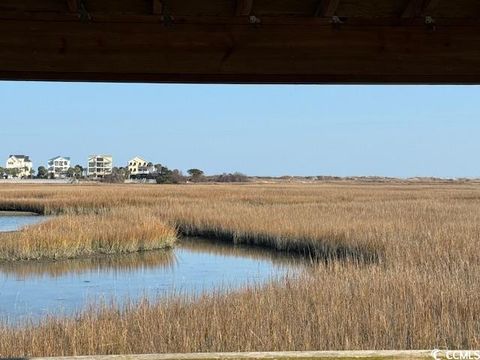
35 289
12 223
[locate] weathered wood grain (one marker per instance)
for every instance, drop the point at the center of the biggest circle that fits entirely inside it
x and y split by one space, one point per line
216 42
190 51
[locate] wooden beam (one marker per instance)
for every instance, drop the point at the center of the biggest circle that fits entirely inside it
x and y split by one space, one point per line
416 8
193 50
357 22
157 7
243 7
413 9
72 6
327 8
429 6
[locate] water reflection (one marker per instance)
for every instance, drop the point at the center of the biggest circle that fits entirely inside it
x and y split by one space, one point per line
122 263
222 248
33 289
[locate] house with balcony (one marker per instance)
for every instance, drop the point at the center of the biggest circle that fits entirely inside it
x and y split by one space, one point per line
99 166
19 166
58 166
139 168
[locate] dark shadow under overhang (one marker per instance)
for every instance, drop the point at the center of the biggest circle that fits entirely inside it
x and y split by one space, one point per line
241 41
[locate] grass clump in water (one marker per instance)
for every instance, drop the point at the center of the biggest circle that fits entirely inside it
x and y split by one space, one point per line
117 231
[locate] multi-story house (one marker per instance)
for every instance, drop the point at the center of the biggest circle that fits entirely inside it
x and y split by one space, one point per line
139 168
19 166
58 167
99 165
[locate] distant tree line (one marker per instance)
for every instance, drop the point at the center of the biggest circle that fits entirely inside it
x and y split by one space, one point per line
75 172
164 175
228 178
161 174
167 176
13 173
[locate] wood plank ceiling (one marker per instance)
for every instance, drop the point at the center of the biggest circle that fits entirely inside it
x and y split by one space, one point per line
241 41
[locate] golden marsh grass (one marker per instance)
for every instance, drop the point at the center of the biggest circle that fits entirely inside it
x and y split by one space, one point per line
115 231
420 292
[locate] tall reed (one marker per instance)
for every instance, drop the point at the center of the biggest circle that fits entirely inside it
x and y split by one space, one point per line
420 292
114 231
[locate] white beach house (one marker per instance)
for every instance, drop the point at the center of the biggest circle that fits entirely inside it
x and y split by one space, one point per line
138 167
58 166
19 166
99 165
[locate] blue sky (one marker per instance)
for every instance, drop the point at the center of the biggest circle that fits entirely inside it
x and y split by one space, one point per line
259 130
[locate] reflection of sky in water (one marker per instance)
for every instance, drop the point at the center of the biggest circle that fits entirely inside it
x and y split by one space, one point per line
34 289
12 223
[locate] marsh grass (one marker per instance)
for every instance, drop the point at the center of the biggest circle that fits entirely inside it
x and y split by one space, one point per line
335 307
116 231
420 293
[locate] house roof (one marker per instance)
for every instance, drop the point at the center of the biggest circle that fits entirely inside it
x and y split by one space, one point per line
24 157
139 159
99 155
59 157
